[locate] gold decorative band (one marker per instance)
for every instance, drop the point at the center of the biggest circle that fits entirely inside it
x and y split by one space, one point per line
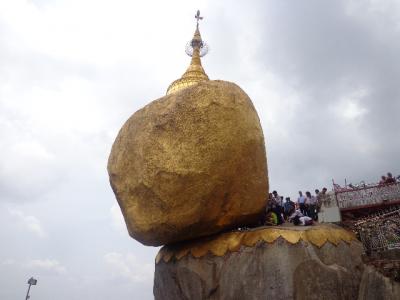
232 241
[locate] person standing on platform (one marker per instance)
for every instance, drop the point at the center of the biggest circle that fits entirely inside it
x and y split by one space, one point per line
318 202
390 178
310 205
383 180
301 201
288 208
307 203
276 206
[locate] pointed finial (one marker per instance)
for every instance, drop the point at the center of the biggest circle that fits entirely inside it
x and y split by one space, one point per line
197 43
195 48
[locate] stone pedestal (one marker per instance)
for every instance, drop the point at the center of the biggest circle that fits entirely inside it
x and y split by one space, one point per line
317 262
376 286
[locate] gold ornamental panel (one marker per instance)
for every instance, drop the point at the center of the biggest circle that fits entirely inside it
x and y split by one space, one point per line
220 244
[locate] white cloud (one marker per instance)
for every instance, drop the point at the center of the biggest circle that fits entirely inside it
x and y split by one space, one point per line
129 267
8 262
30 223
350 106
47 264
72 71
353 110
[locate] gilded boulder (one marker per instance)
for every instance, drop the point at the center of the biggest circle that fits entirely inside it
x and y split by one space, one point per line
190 164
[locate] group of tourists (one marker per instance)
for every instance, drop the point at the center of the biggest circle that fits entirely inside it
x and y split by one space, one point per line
302 212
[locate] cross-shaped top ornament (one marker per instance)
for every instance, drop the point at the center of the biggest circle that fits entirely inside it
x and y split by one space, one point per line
197 16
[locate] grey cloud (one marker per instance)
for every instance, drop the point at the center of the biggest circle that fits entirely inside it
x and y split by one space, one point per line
326 54
323 76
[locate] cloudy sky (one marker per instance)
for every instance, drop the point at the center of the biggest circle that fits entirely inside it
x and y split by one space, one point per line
323 75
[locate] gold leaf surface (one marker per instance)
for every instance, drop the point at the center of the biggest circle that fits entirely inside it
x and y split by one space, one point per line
220 244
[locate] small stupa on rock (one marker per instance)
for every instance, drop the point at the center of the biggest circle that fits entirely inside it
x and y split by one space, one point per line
196 48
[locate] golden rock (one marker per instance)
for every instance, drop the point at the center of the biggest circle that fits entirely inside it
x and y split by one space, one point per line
190 164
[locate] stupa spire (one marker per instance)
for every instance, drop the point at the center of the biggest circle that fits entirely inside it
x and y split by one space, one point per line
196 48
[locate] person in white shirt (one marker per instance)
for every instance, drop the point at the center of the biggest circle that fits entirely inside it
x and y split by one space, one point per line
311 205
303 221
297 214
301 201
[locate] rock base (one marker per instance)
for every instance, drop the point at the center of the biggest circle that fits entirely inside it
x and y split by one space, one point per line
281 269
376 286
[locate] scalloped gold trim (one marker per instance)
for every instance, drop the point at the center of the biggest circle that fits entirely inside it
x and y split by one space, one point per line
218 245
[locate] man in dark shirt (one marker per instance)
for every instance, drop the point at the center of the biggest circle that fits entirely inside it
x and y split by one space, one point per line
288 208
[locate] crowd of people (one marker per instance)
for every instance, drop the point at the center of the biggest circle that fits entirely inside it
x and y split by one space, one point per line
384 180
304 211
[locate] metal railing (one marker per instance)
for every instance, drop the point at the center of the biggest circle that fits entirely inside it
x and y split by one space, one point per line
367 195
381 232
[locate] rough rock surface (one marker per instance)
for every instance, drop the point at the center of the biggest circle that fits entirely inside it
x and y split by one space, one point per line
376 286
280 270
190 164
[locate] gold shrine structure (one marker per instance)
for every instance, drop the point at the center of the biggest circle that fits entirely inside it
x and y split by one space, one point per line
196 48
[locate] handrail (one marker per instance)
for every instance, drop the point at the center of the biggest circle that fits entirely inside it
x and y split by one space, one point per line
380 233
368 195
366 187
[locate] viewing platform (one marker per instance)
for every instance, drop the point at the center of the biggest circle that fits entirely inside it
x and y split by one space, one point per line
367 196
